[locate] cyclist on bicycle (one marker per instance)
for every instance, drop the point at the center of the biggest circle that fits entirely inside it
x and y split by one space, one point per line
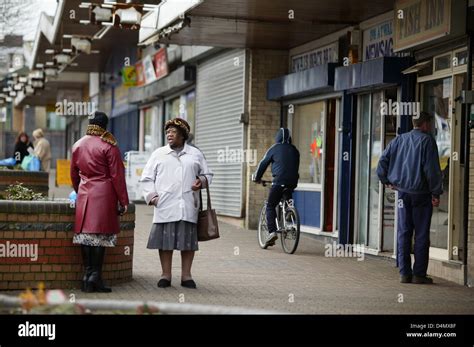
285 160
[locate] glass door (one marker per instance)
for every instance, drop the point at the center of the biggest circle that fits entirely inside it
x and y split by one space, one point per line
436 98
369 190
458 186
363 159
389 128
374 183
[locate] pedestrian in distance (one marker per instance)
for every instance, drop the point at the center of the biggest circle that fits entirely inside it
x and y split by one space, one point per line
98 177
23 147
410 165
42 150
171 184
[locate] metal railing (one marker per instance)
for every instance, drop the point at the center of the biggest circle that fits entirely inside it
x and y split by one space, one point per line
7 301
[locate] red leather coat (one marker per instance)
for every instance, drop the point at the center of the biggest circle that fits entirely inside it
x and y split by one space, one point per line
98 177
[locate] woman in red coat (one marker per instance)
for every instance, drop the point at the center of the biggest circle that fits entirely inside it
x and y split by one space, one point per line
98 176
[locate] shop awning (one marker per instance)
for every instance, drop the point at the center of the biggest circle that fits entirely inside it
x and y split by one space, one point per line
417 67
268 24
371 74
178 79
318 79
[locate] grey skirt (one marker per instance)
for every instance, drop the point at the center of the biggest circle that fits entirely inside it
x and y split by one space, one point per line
180 235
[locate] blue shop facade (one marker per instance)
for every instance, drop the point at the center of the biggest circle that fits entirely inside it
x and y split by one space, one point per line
331 104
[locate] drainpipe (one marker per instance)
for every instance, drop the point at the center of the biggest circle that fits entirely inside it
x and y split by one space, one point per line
467 136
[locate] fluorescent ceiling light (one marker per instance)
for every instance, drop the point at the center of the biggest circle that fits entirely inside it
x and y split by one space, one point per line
102 14
29 90
62 58
50 71
81 44
49 51
129 16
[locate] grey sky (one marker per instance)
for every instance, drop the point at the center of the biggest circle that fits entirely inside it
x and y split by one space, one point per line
29 31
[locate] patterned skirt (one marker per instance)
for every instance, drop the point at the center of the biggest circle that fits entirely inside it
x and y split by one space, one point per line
180 235
97 240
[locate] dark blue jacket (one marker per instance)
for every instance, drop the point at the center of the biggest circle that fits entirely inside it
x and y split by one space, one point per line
411 164
285 160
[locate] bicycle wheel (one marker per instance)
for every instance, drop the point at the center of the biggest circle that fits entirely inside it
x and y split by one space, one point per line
290 236
262 233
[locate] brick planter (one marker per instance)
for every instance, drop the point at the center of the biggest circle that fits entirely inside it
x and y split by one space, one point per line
35 180
48 227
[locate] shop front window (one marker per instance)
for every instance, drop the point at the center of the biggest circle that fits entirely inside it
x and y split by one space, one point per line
182 107
55 122
308 137
436 97
147 129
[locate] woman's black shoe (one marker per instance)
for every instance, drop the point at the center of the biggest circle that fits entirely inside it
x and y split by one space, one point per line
164 283
188 284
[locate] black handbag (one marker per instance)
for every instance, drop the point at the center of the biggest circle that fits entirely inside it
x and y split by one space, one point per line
207 226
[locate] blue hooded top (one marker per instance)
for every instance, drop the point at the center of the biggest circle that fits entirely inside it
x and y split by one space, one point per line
285 160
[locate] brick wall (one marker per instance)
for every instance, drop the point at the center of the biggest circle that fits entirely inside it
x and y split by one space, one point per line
264 121
49 225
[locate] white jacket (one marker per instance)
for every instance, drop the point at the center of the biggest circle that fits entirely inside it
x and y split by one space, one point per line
170 178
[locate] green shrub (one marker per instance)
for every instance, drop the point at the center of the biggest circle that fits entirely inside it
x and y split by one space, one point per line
18 192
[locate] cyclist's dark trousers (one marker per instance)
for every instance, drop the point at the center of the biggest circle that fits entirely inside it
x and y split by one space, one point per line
274 197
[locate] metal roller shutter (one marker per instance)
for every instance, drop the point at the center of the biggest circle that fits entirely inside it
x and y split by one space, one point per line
220 96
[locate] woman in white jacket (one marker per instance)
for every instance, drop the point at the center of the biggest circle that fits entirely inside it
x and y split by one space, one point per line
170 183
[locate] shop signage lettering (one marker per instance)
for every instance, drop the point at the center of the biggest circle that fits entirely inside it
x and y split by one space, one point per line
378 41
420 21
316 57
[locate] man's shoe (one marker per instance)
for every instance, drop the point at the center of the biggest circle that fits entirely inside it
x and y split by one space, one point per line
422 280
405 279
270 241
164 283
188 284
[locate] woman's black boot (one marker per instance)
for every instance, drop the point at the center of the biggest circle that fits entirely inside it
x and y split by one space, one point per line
87 261
95 282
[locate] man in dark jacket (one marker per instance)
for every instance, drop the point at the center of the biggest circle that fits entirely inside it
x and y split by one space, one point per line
410 165
285 160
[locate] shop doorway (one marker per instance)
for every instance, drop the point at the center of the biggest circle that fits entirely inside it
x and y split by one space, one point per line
329 166
375 205
438 97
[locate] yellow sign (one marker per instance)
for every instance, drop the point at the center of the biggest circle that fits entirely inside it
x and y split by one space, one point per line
129 76
63 176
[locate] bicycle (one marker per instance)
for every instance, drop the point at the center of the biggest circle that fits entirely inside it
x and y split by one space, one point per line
287 221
